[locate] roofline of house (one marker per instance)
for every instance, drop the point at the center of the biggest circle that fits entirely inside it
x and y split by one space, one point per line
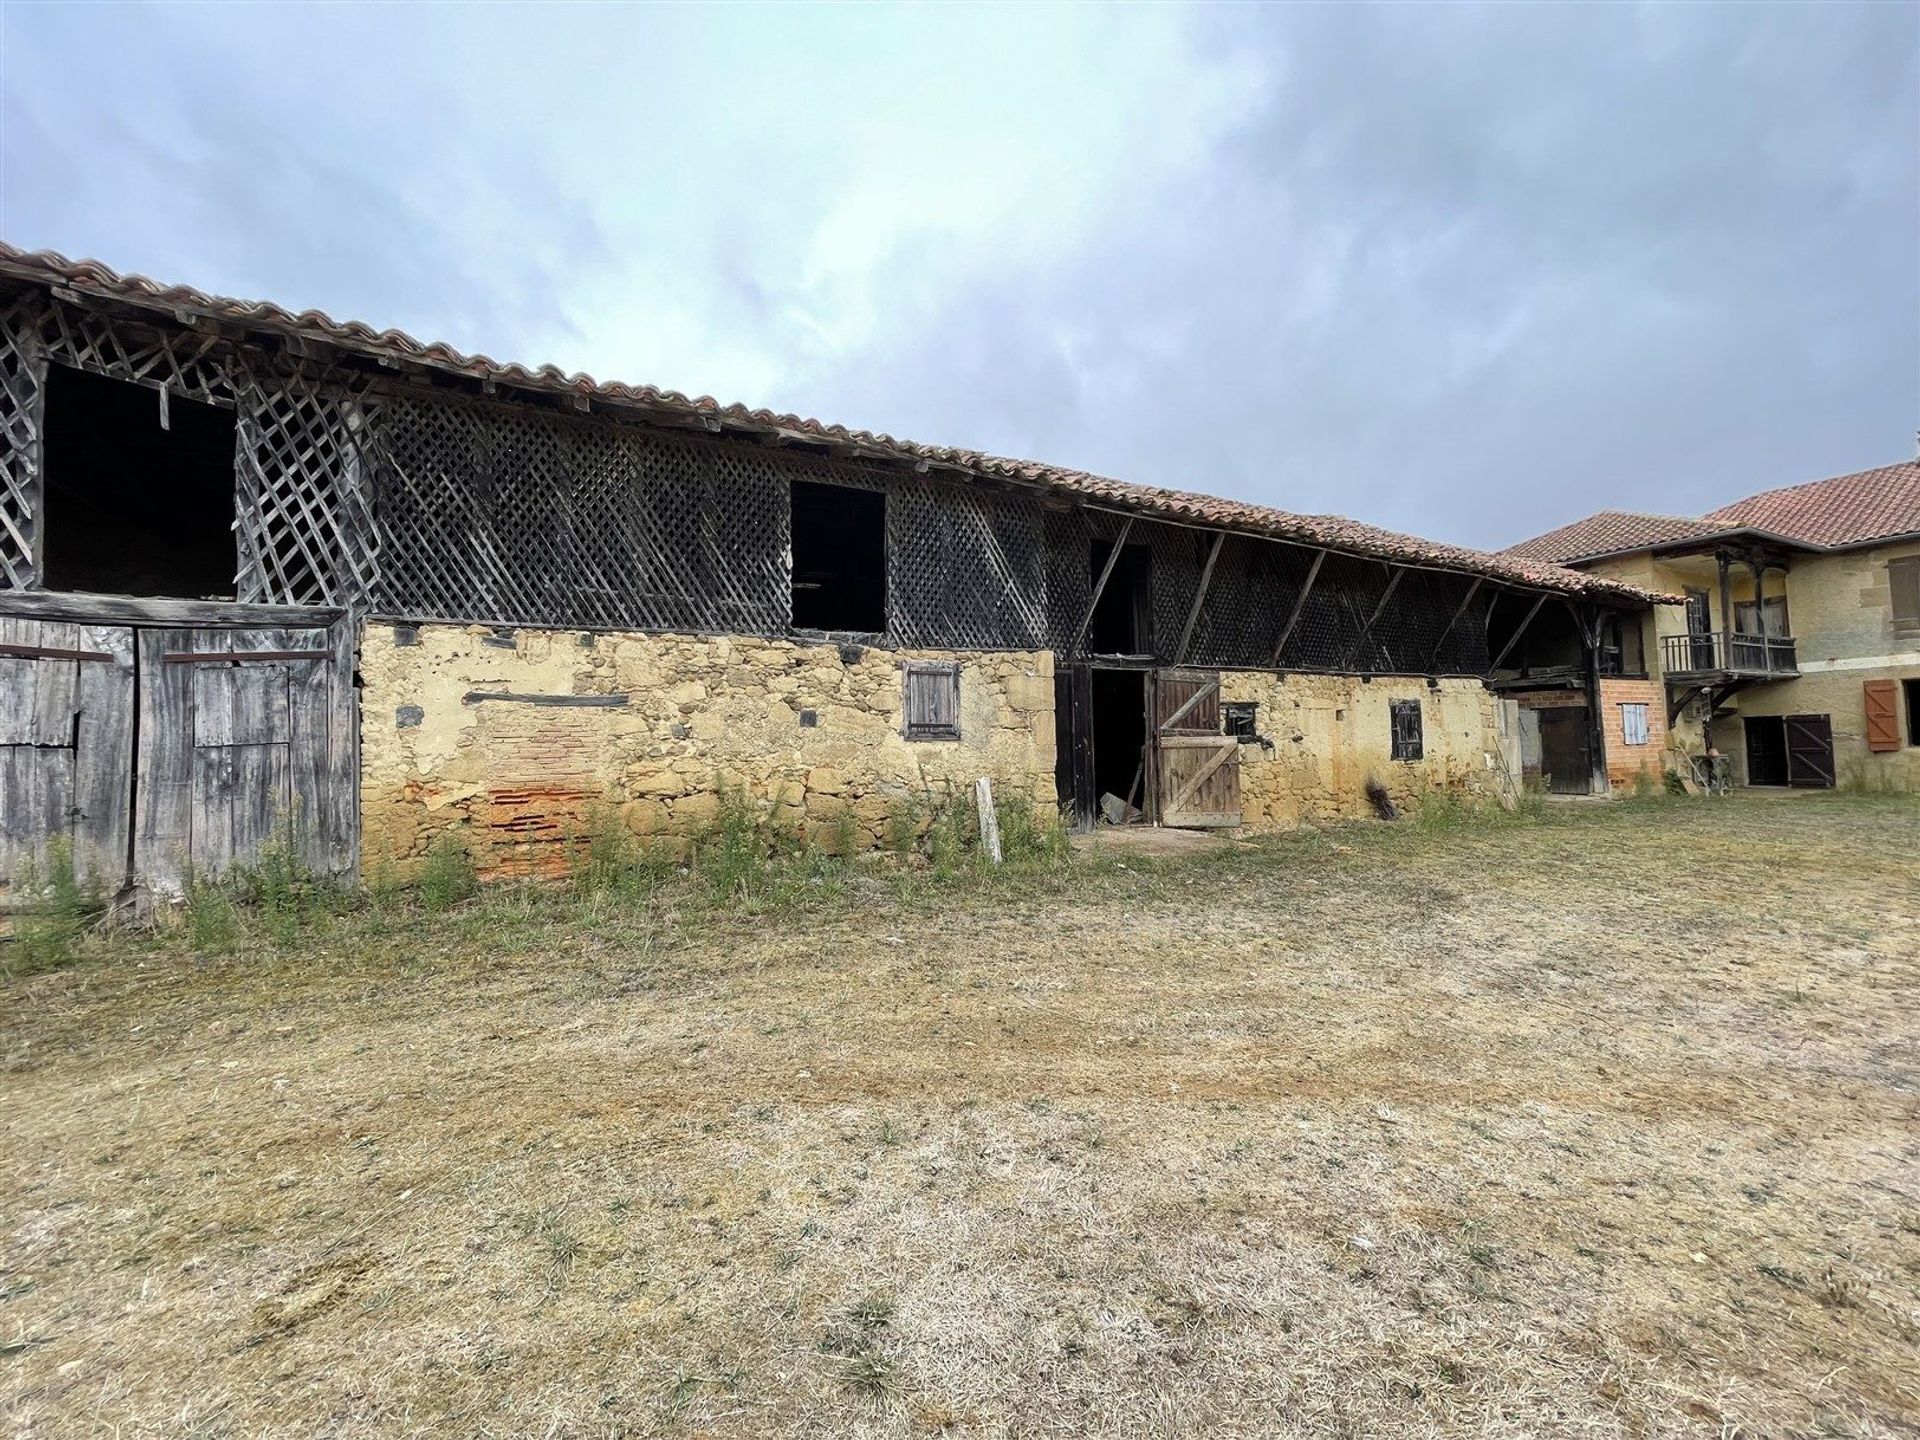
313 335
1715 537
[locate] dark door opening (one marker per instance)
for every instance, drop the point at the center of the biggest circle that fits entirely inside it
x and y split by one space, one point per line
1766 737
1118 716
133 508
839 558
1566 754
1122 622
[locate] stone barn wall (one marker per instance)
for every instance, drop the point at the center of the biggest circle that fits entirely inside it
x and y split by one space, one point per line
811 733
1329 733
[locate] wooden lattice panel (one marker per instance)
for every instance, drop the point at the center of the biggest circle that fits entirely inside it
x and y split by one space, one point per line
199 366
22 383
305 527
965 569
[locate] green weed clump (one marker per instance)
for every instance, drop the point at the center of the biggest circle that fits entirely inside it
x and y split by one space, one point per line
612 862
747 860
59 911
213 920
448 875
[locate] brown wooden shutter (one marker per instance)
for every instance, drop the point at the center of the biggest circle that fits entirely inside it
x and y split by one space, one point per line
1883 715
932 701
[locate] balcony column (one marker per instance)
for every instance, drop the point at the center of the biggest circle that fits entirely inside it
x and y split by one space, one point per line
1726 610
1758 566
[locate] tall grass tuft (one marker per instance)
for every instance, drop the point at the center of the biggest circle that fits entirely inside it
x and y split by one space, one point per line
60 909
448 876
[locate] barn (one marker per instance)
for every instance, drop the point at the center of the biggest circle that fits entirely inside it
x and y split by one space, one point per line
263 570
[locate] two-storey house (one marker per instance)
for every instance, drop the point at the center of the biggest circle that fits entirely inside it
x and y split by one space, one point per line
1797 653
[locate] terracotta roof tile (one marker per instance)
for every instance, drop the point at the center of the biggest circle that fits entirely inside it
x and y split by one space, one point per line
1608 533
90 278
1845 510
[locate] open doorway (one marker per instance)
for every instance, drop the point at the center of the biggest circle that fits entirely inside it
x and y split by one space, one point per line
1122 623
1119 721
839 558
139 491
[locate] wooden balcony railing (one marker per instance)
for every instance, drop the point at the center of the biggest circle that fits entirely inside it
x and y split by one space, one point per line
1722 654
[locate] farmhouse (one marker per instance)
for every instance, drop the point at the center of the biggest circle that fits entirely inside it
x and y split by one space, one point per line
261 569
1797 653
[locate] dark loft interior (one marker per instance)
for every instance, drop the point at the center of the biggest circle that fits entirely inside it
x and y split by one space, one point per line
133 508
839 558
1119 734
1123 620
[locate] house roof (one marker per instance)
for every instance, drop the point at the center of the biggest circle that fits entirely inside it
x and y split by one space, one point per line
1609 532
1846 510
91 280
1834 514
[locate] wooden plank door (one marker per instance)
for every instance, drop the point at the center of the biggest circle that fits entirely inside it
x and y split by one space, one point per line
1073 743
66 746
1810 752
1566 750
1196 767
243 734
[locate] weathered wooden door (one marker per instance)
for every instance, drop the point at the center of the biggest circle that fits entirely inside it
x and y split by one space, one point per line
66 746
244 734
1196 767
1809 752
1566 755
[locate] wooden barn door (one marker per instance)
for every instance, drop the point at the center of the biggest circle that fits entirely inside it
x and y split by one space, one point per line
244 734
1566 738
1196 767
1810 752
66 746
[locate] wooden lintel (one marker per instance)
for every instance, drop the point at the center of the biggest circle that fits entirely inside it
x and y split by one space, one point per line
89 609
1299 606
1199 598
1521 629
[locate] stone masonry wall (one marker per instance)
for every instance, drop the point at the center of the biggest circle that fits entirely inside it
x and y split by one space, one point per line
810 732
1330 732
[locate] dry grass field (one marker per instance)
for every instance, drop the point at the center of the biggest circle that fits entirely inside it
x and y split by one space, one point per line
1599 1122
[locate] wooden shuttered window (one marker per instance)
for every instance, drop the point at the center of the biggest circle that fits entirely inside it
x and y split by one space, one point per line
932 700
1409 742
1633 724
1883 715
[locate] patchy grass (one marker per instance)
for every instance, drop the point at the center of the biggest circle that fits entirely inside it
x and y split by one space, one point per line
1581 1120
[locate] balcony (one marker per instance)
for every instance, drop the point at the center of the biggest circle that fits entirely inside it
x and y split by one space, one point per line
1719 656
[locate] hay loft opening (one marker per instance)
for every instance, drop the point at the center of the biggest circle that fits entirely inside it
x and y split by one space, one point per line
1122 622
135 507
839 558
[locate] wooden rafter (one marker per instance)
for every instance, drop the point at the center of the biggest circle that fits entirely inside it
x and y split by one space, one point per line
1514 639
1379 609
1199 597
1100 585
1299 605
1453 620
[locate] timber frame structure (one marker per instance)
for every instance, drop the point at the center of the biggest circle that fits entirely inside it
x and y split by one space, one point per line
378 478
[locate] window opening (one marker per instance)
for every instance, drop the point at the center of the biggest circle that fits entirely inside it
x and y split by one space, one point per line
132 506
1408 740
839 558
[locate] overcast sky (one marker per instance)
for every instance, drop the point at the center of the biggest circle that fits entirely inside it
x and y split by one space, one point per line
1464 271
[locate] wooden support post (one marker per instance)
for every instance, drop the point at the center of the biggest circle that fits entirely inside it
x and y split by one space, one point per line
1199 597
1100 586
1453 620
1299 605
1759 569
989 819
1399 574
1521 629
1726 611
1589 625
